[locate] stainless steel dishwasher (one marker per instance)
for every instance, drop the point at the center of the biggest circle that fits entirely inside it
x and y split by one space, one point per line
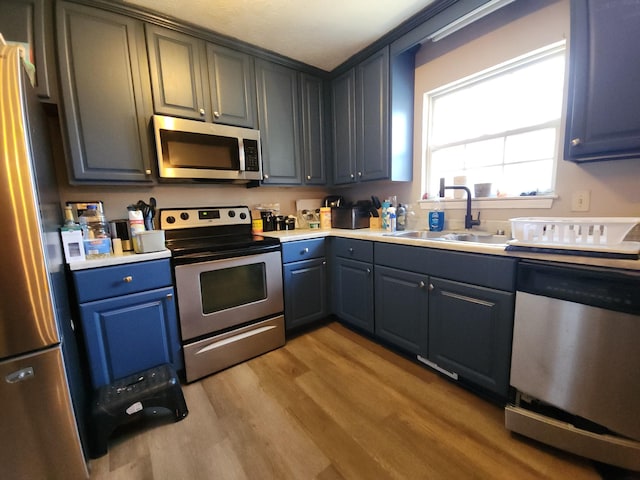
575 363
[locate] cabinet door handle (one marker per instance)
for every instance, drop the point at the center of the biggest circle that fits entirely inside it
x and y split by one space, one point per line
359 174
308 177
127 279
201 112
147 171
266 177
352 176
421 284
216 114
170 296
575 142
431 287
368 271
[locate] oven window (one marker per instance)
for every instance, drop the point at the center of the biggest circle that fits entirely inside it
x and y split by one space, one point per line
232 287
195 150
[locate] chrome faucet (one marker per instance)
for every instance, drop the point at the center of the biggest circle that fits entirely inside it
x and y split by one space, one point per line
468 218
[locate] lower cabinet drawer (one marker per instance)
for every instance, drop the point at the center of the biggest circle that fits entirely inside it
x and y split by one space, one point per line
105 282
221 351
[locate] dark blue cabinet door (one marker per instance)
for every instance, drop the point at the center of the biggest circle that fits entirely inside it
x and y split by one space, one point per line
305 292
353 292
604 98
343 128
127 334
278 116
313 128
470 330
401 308
106 95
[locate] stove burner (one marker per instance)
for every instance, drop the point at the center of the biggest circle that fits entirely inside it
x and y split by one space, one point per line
200 234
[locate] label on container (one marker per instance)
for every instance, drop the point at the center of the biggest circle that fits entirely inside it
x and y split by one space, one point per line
325 217
97 247
436 221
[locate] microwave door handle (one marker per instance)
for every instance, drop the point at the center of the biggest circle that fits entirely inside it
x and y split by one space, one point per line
241 151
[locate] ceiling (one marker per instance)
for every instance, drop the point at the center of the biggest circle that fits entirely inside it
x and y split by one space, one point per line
322 33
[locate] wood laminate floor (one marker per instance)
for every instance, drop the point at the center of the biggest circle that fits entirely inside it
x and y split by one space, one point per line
331 405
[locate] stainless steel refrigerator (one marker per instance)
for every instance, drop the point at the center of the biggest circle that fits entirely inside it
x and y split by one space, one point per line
41 387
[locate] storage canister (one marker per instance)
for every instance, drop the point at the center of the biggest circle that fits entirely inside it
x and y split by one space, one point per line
325 217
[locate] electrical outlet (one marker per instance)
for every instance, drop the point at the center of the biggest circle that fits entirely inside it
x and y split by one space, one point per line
580 201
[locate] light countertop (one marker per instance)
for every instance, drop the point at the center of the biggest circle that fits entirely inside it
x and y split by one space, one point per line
128 257
378 235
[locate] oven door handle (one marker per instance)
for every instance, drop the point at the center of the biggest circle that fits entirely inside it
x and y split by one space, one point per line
235 338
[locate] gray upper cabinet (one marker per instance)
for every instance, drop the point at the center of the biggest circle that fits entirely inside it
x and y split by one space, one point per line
313 139
360 105
372 123
343 106
176 64
604 99
106 99
232 86
202 81
31 22
278 116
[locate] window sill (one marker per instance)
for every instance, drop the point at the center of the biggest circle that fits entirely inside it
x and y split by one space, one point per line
504 203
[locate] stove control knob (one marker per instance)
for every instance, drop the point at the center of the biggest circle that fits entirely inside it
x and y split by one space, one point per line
232 213
171 219
184 216
243 215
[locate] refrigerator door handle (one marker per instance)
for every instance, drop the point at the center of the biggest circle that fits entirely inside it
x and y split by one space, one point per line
20 375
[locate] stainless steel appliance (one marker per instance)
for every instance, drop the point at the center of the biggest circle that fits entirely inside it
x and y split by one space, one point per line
576 360
228 286
39 432
188 149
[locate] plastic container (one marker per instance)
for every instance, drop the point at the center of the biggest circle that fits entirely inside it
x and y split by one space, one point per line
325 217
391 212
385 214
436 216
149 241
136 224
401 217
95 233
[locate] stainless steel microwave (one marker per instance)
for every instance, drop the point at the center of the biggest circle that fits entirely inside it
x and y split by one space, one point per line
189 149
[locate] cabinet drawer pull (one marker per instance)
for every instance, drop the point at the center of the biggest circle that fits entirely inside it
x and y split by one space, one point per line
368 271
308 177
201 112
350 250
352 176
127 279
147 171
216 114
421 284
431 287
170 296
305 250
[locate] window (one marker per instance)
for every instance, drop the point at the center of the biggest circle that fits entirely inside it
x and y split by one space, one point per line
499 126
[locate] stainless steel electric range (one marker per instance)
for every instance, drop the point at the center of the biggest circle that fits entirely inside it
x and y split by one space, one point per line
228 286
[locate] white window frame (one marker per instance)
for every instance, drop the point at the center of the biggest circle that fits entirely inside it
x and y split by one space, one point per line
538 201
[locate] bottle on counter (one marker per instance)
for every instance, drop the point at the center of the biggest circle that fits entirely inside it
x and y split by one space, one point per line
401 217
391 212
436 216
95 233
385 214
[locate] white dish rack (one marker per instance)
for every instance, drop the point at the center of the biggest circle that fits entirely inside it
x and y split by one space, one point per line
575 233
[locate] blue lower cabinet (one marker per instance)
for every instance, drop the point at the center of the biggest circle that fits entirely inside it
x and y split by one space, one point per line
126 334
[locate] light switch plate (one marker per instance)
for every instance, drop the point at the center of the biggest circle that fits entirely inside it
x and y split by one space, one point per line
580 201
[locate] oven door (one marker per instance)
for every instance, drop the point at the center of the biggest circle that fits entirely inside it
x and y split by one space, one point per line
220 294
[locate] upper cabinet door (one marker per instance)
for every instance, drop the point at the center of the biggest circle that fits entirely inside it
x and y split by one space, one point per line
603 120
278 113
30 22
106 99
372 124
343 107
176 62
231 86
313 146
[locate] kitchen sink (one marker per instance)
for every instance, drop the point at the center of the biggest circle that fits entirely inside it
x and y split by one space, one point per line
473 237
